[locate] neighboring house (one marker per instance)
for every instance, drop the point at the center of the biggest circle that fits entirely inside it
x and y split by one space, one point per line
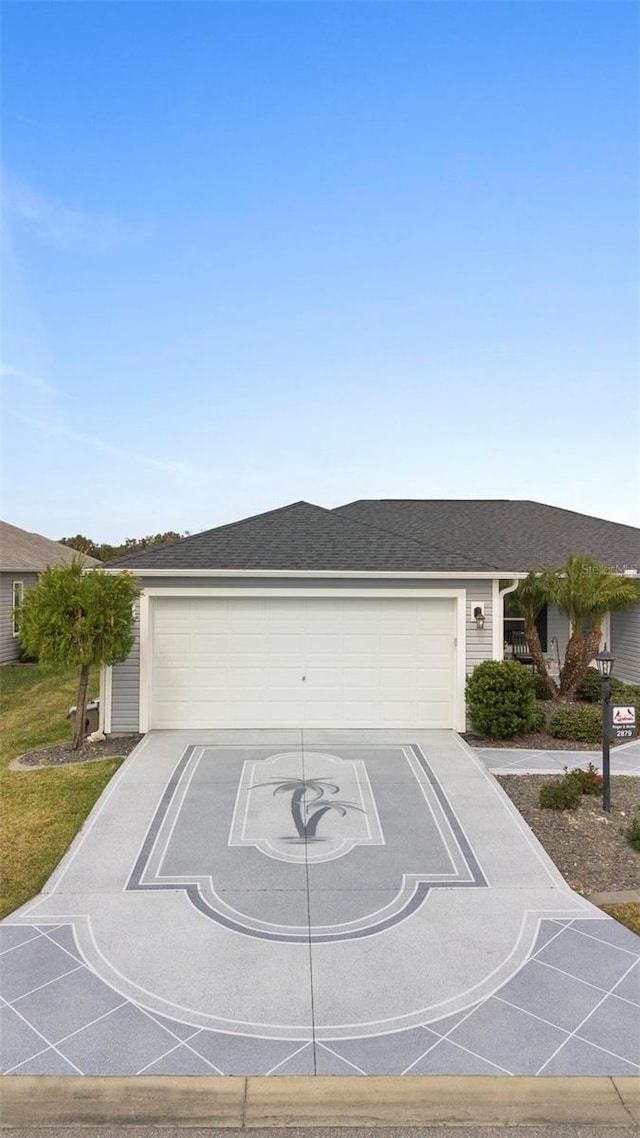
369 615
23 556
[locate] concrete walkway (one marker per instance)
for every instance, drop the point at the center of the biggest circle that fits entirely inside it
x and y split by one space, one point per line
514 760
258 903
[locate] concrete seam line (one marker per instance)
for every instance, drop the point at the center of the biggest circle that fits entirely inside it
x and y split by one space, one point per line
625 1107
634 1083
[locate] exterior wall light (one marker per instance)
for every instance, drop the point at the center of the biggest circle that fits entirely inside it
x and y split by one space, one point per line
605 661
478 616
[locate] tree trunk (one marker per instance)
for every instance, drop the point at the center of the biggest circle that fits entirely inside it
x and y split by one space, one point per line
579 652
533 644
81 708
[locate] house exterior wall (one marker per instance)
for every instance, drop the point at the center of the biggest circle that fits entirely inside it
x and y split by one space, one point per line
558 626
125 687
625 644
125 678
10 644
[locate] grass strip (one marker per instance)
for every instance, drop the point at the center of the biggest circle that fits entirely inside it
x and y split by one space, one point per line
40 811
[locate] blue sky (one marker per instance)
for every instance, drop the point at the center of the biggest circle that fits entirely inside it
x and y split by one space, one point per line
261 252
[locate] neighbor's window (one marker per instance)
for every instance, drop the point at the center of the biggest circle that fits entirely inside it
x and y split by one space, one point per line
18 597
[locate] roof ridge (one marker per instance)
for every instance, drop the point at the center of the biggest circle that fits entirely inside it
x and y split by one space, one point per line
493 501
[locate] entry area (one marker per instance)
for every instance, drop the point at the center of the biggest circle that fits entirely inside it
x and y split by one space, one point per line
313 902
302 661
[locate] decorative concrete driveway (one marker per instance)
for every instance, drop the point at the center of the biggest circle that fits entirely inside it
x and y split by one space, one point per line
338 903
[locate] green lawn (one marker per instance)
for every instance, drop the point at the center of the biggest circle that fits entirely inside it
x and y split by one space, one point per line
40 811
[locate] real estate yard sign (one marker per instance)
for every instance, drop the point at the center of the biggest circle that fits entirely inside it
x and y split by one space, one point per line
624 721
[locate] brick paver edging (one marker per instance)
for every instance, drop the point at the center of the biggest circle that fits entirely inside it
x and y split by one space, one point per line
247 1103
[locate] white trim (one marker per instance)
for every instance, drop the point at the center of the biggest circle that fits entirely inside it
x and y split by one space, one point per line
460 649
146 629
106 689
443 575
14 606
222 591
145 660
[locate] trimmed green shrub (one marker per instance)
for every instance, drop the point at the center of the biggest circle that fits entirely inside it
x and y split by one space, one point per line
588 782
590 686
540 687
538 717
632 834
582 724
501 698
562 795
626 693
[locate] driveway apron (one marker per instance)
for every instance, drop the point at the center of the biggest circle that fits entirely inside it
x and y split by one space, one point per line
262 902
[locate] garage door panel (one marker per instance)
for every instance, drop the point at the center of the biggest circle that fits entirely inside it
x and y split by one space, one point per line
358 677
172 643
212 642
360 642
209 679
286 643
367 661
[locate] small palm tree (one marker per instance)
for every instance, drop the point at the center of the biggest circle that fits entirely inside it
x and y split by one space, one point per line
529 599
585 591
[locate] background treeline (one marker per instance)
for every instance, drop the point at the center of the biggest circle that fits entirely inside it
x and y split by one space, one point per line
105 552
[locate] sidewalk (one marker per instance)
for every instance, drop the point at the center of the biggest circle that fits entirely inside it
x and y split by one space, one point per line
514 760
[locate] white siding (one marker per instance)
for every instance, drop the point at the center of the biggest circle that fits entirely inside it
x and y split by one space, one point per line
10 644
126 677
625 644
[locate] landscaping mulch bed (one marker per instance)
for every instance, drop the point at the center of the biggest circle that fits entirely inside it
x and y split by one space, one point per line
533 741
587 845
61 754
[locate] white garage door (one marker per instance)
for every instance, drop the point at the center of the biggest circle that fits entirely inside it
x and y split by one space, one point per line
302 662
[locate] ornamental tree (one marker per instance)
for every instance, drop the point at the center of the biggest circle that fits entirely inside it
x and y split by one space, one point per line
78 617
585 591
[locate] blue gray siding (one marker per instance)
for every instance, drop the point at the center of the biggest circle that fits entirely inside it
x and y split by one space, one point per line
625 643
10 644
125 687
126 677
558 626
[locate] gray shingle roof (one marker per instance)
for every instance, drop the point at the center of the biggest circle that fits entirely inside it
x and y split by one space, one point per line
24 552
301 536
515 535
389 535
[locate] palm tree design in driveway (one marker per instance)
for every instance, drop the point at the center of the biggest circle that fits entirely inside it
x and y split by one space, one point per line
308 803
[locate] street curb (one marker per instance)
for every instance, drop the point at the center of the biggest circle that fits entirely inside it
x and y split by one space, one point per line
248 1103
615 897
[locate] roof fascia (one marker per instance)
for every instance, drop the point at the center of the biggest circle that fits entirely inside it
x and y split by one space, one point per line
436 574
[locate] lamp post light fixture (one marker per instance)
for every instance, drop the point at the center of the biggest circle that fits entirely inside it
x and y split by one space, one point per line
478 616
605 661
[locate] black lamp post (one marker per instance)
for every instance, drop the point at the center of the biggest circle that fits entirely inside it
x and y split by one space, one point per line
605 661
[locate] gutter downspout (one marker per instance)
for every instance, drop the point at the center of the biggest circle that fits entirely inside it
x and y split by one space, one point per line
498 618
